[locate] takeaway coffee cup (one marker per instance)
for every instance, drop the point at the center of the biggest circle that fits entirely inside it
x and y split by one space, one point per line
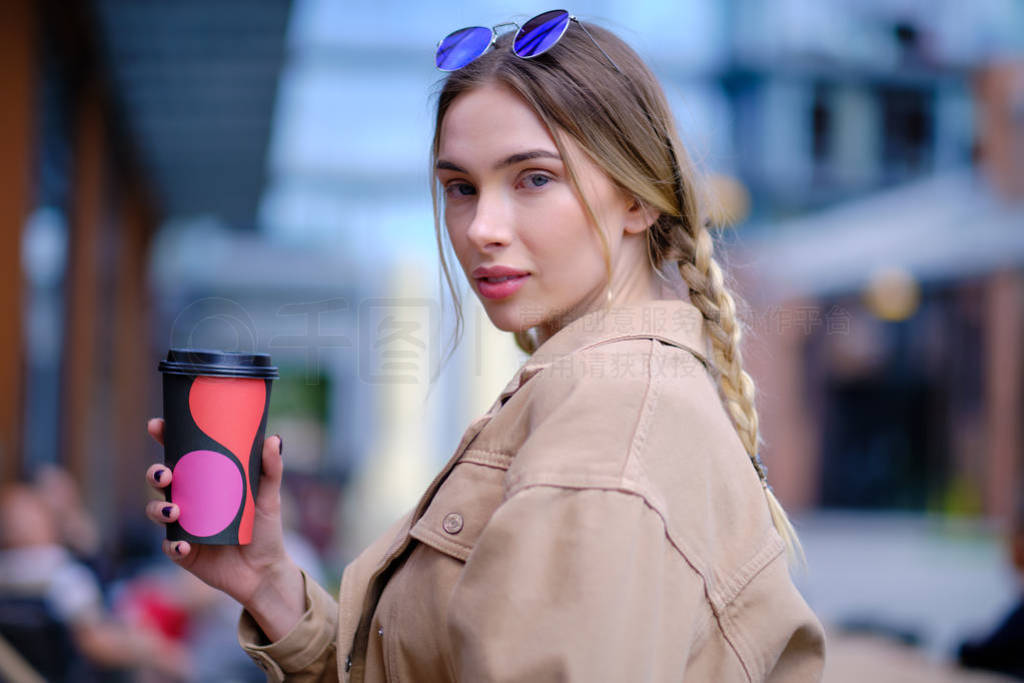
215 413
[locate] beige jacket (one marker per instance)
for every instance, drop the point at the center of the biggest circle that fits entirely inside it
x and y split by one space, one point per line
601 522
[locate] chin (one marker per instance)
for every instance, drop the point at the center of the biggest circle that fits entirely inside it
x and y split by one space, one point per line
507 317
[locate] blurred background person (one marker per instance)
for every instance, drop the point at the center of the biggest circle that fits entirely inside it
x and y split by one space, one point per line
53 611
78 530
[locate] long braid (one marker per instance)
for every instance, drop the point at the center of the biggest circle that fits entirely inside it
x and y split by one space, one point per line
709 294
712 298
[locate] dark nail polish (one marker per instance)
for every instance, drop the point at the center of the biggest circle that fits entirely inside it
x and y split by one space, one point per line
167 510
157 474
280 445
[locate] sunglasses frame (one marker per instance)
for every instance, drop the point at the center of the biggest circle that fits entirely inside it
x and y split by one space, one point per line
519 30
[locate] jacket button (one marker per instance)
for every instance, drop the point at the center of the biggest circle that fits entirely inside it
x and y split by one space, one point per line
452 522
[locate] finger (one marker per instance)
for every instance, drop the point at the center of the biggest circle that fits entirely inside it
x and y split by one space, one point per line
269 496
162 512
176 550
155 427
159 476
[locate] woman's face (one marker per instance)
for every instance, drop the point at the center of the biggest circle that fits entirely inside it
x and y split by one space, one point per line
508 201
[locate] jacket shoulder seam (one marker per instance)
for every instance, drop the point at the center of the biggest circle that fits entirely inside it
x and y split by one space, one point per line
628 488
738 581
654 337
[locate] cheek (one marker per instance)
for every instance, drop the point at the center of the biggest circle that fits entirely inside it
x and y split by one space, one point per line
571 234
450 225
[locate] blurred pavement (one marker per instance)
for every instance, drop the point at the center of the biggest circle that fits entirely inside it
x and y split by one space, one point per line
883 581
859 658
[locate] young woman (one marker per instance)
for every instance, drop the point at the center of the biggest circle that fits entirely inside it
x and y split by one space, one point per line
608 518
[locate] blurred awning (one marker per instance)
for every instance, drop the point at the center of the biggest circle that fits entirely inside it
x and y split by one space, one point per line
197 81
946 227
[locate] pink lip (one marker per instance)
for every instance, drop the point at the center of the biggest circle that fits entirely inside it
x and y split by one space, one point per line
496 271
500 290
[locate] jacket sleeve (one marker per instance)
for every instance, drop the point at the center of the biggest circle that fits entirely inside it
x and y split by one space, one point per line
308 651
575 585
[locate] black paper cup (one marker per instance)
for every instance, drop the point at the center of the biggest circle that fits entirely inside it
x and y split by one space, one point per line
215 413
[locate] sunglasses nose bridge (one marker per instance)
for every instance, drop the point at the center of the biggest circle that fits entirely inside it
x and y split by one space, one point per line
504 24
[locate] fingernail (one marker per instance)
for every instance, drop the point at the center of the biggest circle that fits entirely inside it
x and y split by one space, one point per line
157 474
280 444
167 510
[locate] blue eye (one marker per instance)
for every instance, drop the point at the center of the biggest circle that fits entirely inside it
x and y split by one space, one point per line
459 190
537 180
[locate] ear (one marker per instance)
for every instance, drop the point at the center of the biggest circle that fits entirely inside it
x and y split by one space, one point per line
640 216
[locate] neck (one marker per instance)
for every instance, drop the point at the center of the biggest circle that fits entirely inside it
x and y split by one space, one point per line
633 281
640 286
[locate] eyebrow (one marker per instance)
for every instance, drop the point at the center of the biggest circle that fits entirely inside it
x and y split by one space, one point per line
444 165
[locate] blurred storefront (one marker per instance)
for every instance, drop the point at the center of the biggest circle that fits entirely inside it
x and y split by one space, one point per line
79 216
117 115
887 334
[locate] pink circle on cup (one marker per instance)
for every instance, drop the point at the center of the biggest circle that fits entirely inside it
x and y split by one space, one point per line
207 486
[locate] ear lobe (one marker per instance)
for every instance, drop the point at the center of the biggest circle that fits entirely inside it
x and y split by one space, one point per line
640 216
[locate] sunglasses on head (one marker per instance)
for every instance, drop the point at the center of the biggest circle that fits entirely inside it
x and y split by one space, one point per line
532 39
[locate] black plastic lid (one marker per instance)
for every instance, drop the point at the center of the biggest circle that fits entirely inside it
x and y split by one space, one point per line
218 364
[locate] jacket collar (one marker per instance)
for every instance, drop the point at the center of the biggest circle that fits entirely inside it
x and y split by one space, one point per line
673 320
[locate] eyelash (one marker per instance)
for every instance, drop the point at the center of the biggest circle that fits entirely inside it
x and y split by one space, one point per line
451 188
545 176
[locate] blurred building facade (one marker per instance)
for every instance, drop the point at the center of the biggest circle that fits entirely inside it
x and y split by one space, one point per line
880 143
80 216
110 134
835 100
888 328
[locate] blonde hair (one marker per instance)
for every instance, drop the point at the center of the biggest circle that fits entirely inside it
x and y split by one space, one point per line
619 116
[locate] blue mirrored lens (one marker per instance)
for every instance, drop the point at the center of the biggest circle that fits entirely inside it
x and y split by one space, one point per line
461 47
539 34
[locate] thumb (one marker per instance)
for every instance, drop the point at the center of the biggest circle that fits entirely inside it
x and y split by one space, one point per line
269 495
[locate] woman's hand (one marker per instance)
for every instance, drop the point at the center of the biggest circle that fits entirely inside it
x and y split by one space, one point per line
259 575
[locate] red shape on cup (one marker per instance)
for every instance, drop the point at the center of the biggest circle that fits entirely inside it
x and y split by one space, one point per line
229 410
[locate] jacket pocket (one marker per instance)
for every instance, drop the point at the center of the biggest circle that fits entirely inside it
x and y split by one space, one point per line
464 503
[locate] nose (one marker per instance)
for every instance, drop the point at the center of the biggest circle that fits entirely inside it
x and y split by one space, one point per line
492 222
